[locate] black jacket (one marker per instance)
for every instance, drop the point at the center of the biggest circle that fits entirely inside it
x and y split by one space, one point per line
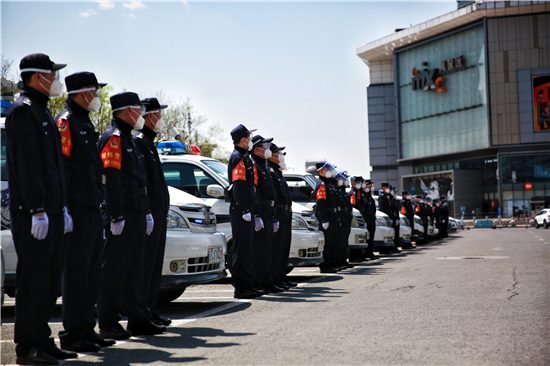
157 190
326 208
126 176
384 205
243 175
346 208
369 207
36 175
266 189
83 165
284 201
408 209
355 199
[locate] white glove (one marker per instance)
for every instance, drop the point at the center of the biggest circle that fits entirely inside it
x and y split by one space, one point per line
275 226
259 223
325 225
117 227
40 225
150 224
247 217
68 221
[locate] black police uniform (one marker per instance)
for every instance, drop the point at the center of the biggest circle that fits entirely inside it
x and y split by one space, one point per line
263 239
369 214
396 207
326 210
123 263
356 201
425 221
243 177
36 179
83 247
445 219
282 238
385 205
408 210
346 219
157 191
437 218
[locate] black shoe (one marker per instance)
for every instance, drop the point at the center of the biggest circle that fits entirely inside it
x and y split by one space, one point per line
356 260
82 346
282 285
259 292
276 289
117 333
350 265
328 270
374 257
97 339
36 356
396 251
290 284
148 328
244 294
161 320
59 354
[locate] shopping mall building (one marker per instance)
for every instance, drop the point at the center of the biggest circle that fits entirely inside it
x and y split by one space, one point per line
458 106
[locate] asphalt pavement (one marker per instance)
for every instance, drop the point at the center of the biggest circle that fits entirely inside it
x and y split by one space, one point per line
479 297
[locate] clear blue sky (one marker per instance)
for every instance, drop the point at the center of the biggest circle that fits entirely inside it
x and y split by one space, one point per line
288 69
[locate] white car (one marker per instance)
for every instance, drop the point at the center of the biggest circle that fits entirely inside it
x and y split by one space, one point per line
459 223
302 187
405 230
194 249
543 218
205 179
384 234
418 232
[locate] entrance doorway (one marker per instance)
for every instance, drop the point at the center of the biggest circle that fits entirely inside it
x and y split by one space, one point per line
535 207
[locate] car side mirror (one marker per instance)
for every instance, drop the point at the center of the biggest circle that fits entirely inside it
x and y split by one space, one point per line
215 190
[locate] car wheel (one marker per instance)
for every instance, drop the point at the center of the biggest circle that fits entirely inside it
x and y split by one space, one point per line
289 269
545 224
170 295
536 224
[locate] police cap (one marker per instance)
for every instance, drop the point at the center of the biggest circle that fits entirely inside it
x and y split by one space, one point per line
239 132
125 99
405 192
257 140
152 104
319 165
385 185
79 80
368 182
38 62
275 148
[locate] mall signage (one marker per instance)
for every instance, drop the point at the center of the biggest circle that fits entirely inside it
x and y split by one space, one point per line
528 186
429 79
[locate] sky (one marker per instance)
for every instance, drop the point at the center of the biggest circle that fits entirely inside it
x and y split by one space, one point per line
288 69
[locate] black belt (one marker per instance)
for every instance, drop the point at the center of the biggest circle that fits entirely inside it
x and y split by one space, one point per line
268 203
284 207
334 209
83 178
142 191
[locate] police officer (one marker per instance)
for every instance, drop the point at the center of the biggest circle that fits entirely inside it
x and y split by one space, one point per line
243 179
395 206
423 213
83 248
355 198
407 210
385 205
36 178
326 211
444 211
129 221
369 214
437 216
157 191
283 236
346 217
429 212
265 220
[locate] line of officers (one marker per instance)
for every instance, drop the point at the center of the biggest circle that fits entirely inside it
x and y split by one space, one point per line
67 189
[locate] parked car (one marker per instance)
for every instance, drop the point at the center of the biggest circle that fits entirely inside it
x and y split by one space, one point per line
205 179
194 249
418 232
543 218
405 230
459 223
384 233
302 188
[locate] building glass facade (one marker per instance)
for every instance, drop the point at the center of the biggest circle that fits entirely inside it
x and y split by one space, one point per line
432 122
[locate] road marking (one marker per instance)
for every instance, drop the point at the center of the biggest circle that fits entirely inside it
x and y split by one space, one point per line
476 257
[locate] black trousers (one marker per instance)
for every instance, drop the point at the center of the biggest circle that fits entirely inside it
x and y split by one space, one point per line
332 236
281 247
121 284
396 237
82 255
243 235
262 250
371 228
37 279
155 244
344 241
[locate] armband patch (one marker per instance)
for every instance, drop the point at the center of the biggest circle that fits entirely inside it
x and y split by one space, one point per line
66 142
112 154
239 172
321 193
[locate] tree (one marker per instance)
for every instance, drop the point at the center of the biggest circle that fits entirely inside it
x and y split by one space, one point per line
5 67
57 104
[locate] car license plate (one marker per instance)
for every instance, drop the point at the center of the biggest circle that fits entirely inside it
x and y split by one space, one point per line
215 255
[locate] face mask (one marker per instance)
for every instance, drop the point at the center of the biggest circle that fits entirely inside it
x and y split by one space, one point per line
140 122
340 183
387 190
250 145
347 184
56 87
267 154
94 105
328 174
367 189
159 126
363 185
282 165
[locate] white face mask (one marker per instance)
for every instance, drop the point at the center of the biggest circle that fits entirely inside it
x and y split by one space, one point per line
56 87
367 189
282 165
340 182
140 122
250 145
94 105
159 125
363 185
387 190
328 174
267 154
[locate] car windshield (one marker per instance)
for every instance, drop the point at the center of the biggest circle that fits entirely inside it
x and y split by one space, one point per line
311 179
218 167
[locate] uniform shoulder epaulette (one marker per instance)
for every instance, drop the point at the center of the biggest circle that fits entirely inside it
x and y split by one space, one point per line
65 114
27 101
116 132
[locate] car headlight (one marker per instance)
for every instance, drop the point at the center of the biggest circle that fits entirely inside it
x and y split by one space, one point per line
298 223
175 220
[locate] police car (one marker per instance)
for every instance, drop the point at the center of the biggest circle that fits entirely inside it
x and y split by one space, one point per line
194 249
384 233
205 179
302 188
418 231
543 218
405 230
